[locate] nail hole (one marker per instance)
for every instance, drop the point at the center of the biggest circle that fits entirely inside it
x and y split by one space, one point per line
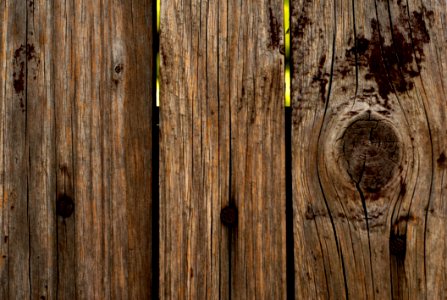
228 216
398 245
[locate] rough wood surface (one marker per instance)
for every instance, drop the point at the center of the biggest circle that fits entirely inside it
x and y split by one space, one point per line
222 144
15 222
77 84
369 149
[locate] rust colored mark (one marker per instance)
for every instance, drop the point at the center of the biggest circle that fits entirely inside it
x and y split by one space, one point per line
19 69
19 82
360 47
30 52
392 66
21 55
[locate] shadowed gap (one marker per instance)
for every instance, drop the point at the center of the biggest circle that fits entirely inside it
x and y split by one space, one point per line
290 269
155 163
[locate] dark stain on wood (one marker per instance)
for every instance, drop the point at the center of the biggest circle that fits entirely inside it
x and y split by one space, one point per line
30 52
403 189
360 47
391 66
19 70
321 79
442 160
274 30
398 245
309 213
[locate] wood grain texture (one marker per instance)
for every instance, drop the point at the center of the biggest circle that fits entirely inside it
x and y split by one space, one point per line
222 143
40 134
368 136
76 104
15 222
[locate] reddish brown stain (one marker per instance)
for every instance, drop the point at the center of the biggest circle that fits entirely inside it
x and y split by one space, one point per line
19 81
21 55
19 69
30 52
391 66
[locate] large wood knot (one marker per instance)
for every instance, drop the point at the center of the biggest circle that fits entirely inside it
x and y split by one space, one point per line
371 150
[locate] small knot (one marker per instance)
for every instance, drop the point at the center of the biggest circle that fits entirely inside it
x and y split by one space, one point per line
228 215
119 68
64 206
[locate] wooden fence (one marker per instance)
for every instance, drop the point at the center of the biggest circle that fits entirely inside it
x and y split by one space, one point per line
229 195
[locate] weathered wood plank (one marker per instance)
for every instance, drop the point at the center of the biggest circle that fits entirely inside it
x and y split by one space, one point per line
76 104
222 143
112 83
64 89
4 206
15 235
40 135
368 138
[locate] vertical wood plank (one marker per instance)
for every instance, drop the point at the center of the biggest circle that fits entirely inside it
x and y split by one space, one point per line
64 91
368 138
4 207
111 113
40 124
222 144
15 232
77 84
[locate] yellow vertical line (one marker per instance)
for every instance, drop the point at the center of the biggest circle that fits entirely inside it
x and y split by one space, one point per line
287 46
